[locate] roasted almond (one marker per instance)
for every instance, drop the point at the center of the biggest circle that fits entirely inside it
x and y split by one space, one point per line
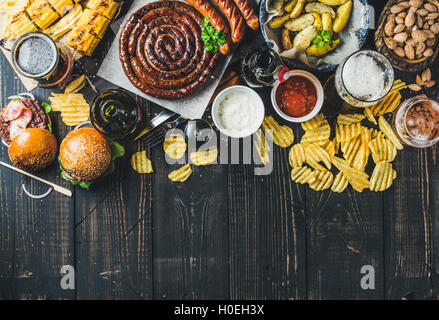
426 75
404 4
433 15
409 52
420 48
399 28
389 27
435 28
390 43
414 87
419 81
428 52
430 7
430 83
410 19
399 20
403 36
423 12
396 9
419 36
416 3
411 42
399 52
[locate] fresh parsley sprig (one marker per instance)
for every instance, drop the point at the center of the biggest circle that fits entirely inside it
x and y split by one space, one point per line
323 37
213 38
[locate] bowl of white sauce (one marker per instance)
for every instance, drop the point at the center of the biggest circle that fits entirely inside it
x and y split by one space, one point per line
238 111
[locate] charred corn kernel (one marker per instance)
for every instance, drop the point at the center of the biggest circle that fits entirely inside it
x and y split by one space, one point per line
93 22
62 6
107 8
42 14
20 24
82 40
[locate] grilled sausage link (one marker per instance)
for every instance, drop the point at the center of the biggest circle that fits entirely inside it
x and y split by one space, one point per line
162 52
236 20
248 13
216 20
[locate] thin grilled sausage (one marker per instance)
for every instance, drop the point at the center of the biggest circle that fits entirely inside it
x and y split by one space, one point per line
248 13
236 20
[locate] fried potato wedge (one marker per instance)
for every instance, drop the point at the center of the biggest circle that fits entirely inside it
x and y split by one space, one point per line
342 16
320 8
300 23
304 38
315 51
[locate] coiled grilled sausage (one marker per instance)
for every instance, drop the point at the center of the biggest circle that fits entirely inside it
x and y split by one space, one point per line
236 20
162 52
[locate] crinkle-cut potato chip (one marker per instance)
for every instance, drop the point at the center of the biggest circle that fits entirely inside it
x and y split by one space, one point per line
340 183
282 136
316 154
175 146
318 136
314 122
323 180
303 175
350 149
366 135
73 107
346 132
362 157
297 156
141 163
369 115
388 132
204 158
387 105
262 147
350 118
382 149
398 85
382 177
330 149
182 174
357 178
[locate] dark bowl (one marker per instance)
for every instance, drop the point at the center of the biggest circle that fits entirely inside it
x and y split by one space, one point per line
361 34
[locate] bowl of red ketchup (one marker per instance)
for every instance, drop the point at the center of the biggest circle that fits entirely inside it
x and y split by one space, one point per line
299 98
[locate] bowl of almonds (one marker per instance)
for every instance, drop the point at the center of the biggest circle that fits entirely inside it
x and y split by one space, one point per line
408 32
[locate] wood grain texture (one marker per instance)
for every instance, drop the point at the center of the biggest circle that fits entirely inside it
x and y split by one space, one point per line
190 226
267 232
36 236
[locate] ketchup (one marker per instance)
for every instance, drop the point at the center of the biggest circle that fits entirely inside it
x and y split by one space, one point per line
296 97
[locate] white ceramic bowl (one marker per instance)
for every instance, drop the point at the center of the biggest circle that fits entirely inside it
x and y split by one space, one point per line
258 118
320 97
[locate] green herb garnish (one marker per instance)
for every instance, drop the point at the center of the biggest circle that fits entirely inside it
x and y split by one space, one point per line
323 37
213 38
47 108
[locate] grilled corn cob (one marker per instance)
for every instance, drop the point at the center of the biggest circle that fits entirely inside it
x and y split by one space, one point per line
94 23
82 40
42 14
20 24
65 24
61 6
107 8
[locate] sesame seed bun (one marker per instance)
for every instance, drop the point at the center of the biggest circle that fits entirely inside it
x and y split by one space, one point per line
85 154
33 149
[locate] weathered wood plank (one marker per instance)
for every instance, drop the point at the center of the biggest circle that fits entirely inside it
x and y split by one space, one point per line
36 235
267 231
190 232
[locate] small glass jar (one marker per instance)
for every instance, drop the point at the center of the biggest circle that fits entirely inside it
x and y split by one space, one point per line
350 68
115 114
416 122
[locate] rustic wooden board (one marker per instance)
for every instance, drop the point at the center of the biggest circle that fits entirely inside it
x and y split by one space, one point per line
225 233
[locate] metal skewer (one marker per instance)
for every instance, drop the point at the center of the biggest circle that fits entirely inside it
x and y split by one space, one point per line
57 188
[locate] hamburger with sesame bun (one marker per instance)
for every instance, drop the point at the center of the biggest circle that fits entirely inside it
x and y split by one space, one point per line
86 155
33 149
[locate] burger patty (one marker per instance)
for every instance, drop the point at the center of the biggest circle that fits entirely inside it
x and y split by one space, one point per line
39 119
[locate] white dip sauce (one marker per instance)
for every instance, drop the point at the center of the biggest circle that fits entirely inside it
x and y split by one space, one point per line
238 113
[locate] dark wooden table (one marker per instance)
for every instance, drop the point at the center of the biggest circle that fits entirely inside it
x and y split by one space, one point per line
224 234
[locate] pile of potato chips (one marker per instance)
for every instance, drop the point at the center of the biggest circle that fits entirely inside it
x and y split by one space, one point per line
73 107
175 147
349 151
